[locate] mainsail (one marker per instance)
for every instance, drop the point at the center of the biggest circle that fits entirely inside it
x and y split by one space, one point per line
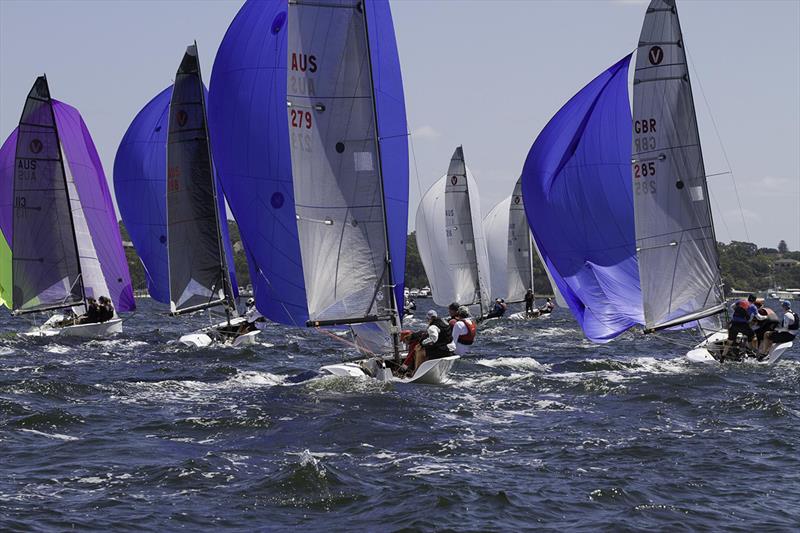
508 241
52 148
466 247
676 245
432 242
578 201
337 170
198 274
45 267
140 183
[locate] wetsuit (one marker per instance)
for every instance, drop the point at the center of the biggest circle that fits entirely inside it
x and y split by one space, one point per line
497 311
528 303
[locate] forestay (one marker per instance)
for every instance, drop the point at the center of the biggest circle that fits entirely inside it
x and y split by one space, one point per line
198 272
466 247
578 201
676 245
45 267
336 164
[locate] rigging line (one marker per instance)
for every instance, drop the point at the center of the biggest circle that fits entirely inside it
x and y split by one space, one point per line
722 146
345 341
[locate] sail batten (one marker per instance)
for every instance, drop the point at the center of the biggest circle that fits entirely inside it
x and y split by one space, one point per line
676 244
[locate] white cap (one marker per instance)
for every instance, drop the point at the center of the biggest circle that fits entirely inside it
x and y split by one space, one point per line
433 314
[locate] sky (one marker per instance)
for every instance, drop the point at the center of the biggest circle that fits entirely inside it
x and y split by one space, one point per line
484 74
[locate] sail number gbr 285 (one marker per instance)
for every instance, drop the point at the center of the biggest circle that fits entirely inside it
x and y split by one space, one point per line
644 172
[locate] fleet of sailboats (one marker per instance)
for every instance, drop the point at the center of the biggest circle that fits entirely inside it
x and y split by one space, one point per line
303 134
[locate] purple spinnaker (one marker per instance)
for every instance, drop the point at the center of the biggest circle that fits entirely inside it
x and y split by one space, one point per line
7 156
90 182
576 185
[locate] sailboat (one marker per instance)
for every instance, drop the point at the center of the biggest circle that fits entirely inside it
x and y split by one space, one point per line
511 250
307 107
62 243
618 202
174 208
450 239
675 240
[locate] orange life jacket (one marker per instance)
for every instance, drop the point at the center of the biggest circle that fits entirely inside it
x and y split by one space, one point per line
472 330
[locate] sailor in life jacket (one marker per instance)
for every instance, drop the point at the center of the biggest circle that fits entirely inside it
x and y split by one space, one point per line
439 336
464 331
786 332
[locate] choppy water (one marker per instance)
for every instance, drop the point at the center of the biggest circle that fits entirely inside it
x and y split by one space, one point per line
539 429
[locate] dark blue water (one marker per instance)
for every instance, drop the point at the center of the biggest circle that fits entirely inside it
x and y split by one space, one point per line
540 429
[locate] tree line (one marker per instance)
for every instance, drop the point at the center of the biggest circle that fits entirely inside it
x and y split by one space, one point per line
744 265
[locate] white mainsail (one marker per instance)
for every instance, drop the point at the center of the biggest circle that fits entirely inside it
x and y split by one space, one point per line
450 239
676 245
336 164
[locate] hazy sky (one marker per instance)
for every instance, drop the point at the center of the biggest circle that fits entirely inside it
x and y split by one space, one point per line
485 74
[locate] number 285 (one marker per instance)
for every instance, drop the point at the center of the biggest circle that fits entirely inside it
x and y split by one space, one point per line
642 170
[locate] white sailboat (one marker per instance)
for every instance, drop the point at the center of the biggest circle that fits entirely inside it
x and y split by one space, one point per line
451 241
675 240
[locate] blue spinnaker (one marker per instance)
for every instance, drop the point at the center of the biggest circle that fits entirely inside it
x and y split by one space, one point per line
140 186
578 199
250 144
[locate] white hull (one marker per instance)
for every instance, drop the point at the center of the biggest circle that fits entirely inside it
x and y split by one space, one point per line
433 372
86 331
702 354
524 316
205 337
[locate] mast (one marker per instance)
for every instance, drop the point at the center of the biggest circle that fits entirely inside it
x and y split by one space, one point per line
395 314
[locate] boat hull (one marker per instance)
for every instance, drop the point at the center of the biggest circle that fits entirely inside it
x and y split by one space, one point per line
205 337
86 331
707 351
433 372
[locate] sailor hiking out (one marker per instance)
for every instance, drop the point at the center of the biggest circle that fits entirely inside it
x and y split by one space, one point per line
786 332
743 312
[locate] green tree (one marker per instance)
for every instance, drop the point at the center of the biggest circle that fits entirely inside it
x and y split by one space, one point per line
782 247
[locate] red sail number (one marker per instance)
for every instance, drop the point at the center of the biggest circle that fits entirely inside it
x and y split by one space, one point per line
301 119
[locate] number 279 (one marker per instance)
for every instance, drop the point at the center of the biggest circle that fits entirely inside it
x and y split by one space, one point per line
301 119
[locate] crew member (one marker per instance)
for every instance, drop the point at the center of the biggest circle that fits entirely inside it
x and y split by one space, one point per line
548 307
254 320
92 314
464 331
765 320
529 303
786 332
105 309
435 344
743 312
499 309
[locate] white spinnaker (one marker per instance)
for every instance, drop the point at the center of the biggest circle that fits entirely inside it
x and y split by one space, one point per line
94 282
676 245
335 165
495 228
432 243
